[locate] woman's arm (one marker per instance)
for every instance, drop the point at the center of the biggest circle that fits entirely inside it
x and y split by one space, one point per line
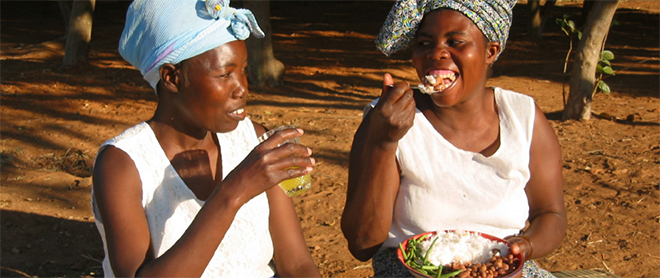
292 257
119 200
545 193
373 180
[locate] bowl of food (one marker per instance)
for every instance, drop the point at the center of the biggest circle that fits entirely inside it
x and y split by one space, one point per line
459 254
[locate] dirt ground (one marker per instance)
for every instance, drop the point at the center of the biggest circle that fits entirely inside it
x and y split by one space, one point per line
53 121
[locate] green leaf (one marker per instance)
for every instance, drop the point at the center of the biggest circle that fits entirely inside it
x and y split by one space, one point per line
599 68
605 62
579 35
571 24
603 87
608 70
607 55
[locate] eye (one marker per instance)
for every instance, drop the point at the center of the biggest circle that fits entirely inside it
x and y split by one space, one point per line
454 42
423 42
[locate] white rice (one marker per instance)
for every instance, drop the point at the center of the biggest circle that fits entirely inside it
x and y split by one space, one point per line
461 246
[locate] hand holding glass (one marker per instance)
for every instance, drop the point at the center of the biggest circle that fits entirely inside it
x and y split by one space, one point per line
295 186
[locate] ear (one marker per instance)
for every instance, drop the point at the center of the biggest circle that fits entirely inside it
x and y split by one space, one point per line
492 50
169 77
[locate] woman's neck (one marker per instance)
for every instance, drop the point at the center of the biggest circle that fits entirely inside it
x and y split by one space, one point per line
175 137
475 113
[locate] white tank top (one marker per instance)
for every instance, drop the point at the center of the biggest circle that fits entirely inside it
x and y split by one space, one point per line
446 188
170 205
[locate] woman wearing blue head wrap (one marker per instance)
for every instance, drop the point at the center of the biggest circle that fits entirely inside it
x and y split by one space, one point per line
452 154
191 192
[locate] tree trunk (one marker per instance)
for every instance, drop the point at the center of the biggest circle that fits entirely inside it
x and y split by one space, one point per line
79 33
65 10
583 74
264 69
538 17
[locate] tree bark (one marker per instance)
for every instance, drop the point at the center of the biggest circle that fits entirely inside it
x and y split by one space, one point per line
583 74
264 69
65 10
79 33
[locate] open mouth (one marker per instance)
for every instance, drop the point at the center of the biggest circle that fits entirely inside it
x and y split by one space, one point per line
437 81
238 114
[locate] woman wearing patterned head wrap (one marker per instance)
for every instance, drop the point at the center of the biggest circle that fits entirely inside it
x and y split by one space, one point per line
191 192
452 154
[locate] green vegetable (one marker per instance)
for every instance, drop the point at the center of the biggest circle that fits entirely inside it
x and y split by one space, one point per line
426 257
414 258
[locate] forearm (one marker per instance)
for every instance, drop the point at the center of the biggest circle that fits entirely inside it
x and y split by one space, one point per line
191 254
546 232
305 269
291 254
373 186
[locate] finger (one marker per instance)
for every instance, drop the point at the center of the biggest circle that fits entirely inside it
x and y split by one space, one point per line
519 247
388 82
288 149
397 92
402 97
283 136
293 167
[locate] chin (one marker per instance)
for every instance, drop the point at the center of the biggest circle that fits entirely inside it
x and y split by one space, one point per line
225 128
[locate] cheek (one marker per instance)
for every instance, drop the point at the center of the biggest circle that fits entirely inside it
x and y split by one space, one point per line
418 64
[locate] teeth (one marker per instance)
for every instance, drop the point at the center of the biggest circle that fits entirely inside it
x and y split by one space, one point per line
436 83
239 111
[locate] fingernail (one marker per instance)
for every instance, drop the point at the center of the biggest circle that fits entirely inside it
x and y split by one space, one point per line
309 169
313 160
300 130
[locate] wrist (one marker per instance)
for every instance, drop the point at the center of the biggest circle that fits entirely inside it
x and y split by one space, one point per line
531 246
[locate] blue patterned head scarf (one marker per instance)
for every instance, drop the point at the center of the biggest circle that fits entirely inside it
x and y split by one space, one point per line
160 31
492 17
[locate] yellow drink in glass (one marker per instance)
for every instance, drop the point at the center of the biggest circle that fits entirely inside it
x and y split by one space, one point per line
296 186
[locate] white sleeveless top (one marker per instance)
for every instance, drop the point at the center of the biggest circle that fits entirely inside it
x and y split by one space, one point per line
171 206
446 188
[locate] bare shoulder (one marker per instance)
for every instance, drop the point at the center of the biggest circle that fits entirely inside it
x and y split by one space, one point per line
258 128
115 174
543 133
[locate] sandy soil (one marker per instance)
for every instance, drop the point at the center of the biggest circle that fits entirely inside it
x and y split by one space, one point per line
53 121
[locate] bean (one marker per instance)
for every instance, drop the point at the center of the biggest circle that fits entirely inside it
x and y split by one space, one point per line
498 263
464 274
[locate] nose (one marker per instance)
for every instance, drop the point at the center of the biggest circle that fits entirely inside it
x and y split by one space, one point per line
438 53
242 89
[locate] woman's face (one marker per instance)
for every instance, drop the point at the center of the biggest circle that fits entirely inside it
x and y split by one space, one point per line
450 47
212 87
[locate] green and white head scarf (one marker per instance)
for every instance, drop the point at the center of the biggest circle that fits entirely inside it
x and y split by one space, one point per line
492 17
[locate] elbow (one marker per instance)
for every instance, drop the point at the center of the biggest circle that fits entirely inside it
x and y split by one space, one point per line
357 244
362 248
362 253
359 256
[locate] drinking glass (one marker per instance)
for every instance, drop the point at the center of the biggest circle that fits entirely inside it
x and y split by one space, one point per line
295 186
